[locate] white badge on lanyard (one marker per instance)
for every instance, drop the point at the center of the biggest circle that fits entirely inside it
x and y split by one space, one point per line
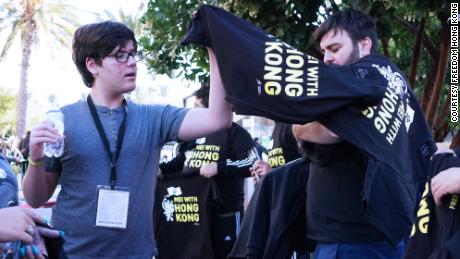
112 207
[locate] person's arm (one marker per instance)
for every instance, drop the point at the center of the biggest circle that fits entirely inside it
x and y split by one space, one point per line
240 168
244 155
26 227
39 185
315 132
443 148
446 182
260 169
14 222
199 122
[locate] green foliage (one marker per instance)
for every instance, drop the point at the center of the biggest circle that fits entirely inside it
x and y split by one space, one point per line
7 106
166 22
390 16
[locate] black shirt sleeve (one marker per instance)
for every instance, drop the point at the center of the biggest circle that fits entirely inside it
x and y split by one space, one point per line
242 154
52 165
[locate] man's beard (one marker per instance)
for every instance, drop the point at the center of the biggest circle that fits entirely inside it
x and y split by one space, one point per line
354 55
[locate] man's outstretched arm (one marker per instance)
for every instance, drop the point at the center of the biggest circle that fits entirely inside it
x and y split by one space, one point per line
200 122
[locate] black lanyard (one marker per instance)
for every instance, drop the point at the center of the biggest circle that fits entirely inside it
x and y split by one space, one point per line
121 134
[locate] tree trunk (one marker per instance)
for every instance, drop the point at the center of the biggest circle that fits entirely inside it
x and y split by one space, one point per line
441 127
441 132
427 42
416 53
434 55
22 94
456 140
385 47
28 35
442 65
428 88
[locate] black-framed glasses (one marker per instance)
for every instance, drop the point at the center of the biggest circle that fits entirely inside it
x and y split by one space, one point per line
123 57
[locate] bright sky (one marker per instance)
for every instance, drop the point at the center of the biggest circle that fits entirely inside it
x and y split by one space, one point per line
52 71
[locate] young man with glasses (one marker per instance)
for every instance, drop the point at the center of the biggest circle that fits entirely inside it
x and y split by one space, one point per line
112 148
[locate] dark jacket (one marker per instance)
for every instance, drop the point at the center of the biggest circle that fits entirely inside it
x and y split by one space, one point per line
274 223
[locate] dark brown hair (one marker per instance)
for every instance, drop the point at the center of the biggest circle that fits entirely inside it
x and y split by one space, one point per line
203 94
357 24
97 40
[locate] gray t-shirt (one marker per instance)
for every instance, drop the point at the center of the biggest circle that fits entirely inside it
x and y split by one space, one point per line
85 164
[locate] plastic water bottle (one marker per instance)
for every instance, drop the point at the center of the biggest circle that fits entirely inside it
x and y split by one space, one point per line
56 117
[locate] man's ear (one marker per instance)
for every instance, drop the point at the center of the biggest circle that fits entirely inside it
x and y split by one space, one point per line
365 46
91 66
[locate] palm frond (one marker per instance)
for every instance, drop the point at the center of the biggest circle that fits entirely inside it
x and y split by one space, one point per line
16 27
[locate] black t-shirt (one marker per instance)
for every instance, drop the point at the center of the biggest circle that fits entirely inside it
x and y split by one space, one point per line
274 223
284 147
233 151
335 212
181 206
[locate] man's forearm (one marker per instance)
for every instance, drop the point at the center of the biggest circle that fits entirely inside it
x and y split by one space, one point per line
314 132
38 185
199 122
220 110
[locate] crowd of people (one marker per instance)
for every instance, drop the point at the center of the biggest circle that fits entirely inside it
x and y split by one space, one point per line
360 199
15 151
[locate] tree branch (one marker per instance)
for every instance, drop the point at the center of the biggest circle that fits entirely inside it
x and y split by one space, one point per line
441 127
427 43
416 53
441 72
385 47
456 140
428 88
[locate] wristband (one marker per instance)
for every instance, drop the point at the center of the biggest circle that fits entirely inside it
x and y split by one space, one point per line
36 163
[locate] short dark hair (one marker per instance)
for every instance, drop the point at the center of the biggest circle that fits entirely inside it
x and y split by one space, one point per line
97 40
203 94
357 24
